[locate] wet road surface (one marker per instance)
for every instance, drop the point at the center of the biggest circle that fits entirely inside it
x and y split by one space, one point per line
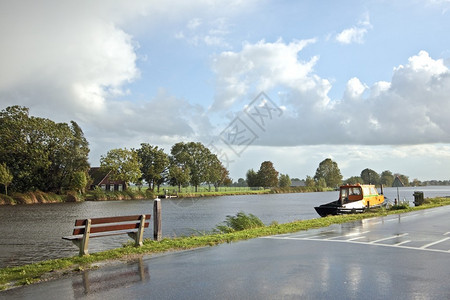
394 257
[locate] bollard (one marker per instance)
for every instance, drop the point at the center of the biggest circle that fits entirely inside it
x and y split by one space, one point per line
157 232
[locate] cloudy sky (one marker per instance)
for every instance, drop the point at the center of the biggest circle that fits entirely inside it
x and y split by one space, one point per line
365 83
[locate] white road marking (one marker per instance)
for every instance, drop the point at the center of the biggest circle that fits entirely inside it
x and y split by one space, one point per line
388 238
356 238
434 243
353 241
401 243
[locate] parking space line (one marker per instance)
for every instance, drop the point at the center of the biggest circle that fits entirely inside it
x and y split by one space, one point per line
401 243
434 243
356 238
388 238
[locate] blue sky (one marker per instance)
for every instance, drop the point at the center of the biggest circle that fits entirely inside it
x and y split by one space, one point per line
366 83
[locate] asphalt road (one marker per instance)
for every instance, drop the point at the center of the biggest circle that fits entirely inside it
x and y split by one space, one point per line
395 257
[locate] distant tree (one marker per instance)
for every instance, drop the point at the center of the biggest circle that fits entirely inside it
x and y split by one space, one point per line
353 180
79 182
309 181
284 180
267 175
5 176
252 178
416 182
154 163
322 183
123 164
198 158
329 171
369 176
179 175
386 178
241 182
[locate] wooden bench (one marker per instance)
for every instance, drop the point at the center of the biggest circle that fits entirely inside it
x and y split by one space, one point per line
100 227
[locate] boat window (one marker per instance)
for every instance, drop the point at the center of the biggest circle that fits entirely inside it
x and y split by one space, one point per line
355 191
344 195
366 191
373 191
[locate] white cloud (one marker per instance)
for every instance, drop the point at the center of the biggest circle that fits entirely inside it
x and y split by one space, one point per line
355 34
259 67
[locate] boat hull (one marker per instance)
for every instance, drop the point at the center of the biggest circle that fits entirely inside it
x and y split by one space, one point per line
326 210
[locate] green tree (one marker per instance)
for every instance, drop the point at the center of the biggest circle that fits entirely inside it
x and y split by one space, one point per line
197 157
387 178
123 164
154 163
252 178
267 175
322 183
5 177
40 153
284 180
179 175
329 171
369 176
309 181
353 180
79 182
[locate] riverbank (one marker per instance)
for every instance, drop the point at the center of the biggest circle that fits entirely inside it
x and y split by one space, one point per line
16 276
37 197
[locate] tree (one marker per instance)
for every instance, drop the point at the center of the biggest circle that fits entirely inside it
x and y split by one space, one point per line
79 182
284 180
309 181
179 175
369 176
5 177
154 163
195 156
353 180
329 171
39 153
252 178
267 175
387 178
123 164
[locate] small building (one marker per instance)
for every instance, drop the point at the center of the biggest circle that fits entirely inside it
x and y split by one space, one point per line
296 183
101 179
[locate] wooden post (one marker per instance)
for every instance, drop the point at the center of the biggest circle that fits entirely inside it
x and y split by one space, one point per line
368 205
85 241
157 232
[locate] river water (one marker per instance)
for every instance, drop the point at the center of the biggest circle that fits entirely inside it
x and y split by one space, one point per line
31 233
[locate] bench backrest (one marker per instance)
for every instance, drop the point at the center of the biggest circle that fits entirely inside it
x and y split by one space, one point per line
111 224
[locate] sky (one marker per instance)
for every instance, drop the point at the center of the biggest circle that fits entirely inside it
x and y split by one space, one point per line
365 83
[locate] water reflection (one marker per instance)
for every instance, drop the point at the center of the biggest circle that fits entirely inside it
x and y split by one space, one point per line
106 279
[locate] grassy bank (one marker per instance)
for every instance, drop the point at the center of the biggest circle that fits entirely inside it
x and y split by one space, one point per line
16 276
38 197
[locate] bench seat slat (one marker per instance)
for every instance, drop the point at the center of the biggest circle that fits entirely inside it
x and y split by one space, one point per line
80 236
105 228
94 221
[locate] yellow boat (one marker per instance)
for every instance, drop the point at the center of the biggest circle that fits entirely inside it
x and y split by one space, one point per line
352 199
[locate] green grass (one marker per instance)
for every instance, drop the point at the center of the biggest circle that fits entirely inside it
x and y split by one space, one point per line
27 274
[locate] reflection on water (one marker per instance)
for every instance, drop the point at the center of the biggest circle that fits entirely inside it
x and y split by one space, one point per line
30 233
106 279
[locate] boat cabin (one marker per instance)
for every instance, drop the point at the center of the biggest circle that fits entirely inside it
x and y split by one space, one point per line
353 193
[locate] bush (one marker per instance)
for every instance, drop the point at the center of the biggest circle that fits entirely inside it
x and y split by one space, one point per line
239 222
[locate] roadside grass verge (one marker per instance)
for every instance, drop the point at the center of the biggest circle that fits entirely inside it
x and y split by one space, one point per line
27 274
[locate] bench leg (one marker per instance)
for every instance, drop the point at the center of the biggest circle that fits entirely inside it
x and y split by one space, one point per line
139 235
85 241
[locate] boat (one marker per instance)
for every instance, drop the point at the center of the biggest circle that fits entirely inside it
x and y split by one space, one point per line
355 198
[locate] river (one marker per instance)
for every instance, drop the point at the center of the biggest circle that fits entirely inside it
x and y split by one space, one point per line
31 233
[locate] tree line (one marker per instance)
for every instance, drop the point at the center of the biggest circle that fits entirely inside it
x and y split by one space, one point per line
188 164
40 154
